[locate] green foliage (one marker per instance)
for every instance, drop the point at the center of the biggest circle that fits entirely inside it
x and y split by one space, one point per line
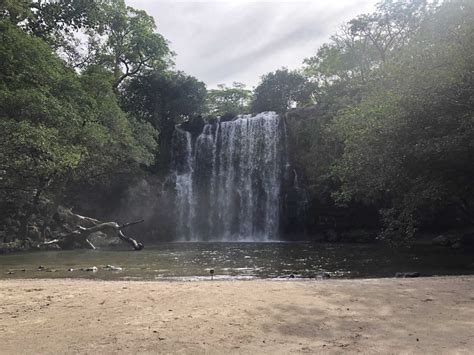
314 149
409 142
164 99
125 41
67 69
119 37
161 96
34 105
118 141
53 21
281 90
366 42
229 100
394 126
56 122
15 10
391 27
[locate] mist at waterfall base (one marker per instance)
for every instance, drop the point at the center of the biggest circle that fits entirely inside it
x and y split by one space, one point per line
229 179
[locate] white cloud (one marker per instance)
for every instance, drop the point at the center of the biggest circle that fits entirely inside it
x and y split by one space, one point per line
222 41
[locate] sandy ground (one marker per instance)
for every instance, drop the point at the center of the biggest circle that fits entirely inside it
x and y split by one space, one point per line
426 316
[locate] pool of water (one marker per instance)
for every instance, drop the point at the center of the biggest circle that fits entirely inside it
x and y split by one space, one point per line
193 261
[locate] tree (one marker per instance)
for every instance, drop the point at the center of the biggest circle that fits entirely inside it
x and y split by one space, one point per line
367 42
280 91
165 99
229 100
408 143
126 42
391 26
119 37
392 127
48 19
57 125
55 22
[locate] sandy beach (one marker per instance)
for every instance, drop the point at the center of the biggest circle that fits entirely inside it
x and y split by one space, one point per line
424 315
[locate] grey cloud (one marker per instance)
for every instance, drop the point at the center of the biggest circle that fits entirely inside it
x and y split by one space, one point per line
226 41
289 40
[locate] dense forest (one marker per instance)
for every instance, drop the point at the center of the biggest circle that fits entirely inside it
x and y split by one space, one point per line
380 120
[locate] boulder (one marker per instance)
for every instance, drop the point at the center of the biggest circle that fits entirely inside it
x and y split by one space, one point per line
194 125
100 239
227 117
442 240
457 245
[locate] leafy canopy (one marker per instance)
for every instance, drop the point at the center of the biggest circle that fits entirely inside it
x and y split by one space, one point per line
280 91
230 101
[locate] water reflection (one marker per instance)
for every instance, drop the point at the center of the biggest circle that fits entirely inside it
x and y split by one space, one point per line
193 261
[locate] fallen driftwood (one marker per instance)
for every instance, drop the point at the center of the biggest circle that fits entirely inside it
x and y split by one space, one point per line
81 234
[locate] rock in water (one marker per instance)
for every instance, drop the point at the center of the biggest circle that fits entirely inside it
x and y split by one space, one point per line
442 240
113 268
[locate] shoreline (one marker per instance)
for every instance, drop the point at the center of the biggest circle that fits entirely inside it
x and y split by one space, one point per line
419 315
229 278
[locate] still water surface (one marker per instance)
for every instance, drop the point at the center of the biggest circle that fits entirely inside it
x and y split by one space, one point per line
193 261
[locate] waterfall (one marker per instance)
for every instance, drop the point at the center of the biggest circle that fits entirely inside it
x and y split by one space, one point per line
228 179
185 202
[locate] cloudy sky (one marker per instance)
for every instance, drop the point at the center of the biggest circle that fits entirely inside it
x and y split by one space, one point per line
223 41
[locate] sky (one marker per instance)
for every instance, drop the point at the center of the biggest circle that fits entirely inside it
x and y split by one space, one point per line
223 41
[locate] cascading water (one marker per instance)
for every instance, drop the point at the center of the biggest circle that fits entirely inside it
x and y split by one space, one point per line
229 179
185 202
